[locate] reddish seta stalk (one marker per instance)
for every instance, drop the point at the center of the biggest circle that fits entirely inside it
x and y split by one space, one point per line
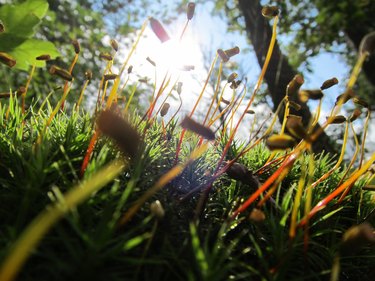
88 153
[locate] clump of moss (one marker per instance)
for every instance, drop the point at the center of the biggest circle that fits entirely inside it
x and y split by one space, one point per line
114 195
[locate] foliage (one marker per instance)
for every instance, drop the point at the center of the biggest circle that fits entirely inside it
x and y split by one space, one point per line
313 27
20 22
320 24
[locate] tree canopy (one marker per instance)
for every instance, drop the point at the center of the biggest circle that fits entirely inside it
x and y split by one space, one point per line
315 26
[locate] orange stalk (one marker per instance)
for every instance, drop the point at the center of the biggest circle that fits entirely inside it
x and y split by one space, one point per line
89 151
75 59
260 79
280 173
212 119
364 137
338 163
195 107
111 97
353 178
350 165
215 93
81 94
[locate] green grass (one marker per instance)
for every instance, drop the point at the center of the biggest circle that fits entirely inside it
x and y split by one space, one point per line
87 244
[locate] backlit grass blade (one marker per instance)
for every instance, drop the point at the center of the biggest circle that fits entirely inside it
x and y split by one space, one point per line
30 238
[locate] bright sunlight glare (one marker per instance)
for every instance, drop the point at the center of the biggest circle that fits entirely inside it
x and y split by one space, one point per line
177 55
174 55
182 59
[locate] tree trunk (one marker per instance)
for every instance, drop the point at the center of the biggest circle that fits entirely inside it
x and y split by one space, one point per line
355 34
279 72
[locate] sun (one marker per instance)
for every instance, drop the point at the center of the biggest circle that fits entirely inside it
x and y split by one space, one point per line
179 55
174 54
175 61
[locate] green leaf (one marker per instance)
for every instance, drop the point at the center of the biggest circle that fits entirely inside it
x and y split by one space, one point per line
37 7
21 20
9 41
26 53
16 25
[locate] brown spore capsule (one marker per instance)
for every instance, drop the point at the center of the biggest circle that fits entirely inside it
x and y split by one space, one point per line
4 95
76 46
232 52
232 77
361 102
224 57
143 80
88 75
117 128
294 85
295 126
187 67
190 10
157 210
235 84
179 88
237 171
270 11
21 90
130 69
257 216
227 102
343 98
356 113
356 237
367 44
111 76
369 187
44 57
151 61
18 93
240 172
7 59
114 44
62 73
250 111
280 142
329 83
164 109
338 119
310 94
106 56
315 94
191 125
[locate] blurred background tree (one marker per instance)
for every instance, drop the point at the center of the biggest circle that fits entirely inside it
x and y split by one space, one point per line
92 23
311 27
65 21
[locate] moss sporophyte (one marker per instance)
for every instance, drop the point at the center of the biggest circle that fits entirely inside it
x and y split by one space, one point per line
180 195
